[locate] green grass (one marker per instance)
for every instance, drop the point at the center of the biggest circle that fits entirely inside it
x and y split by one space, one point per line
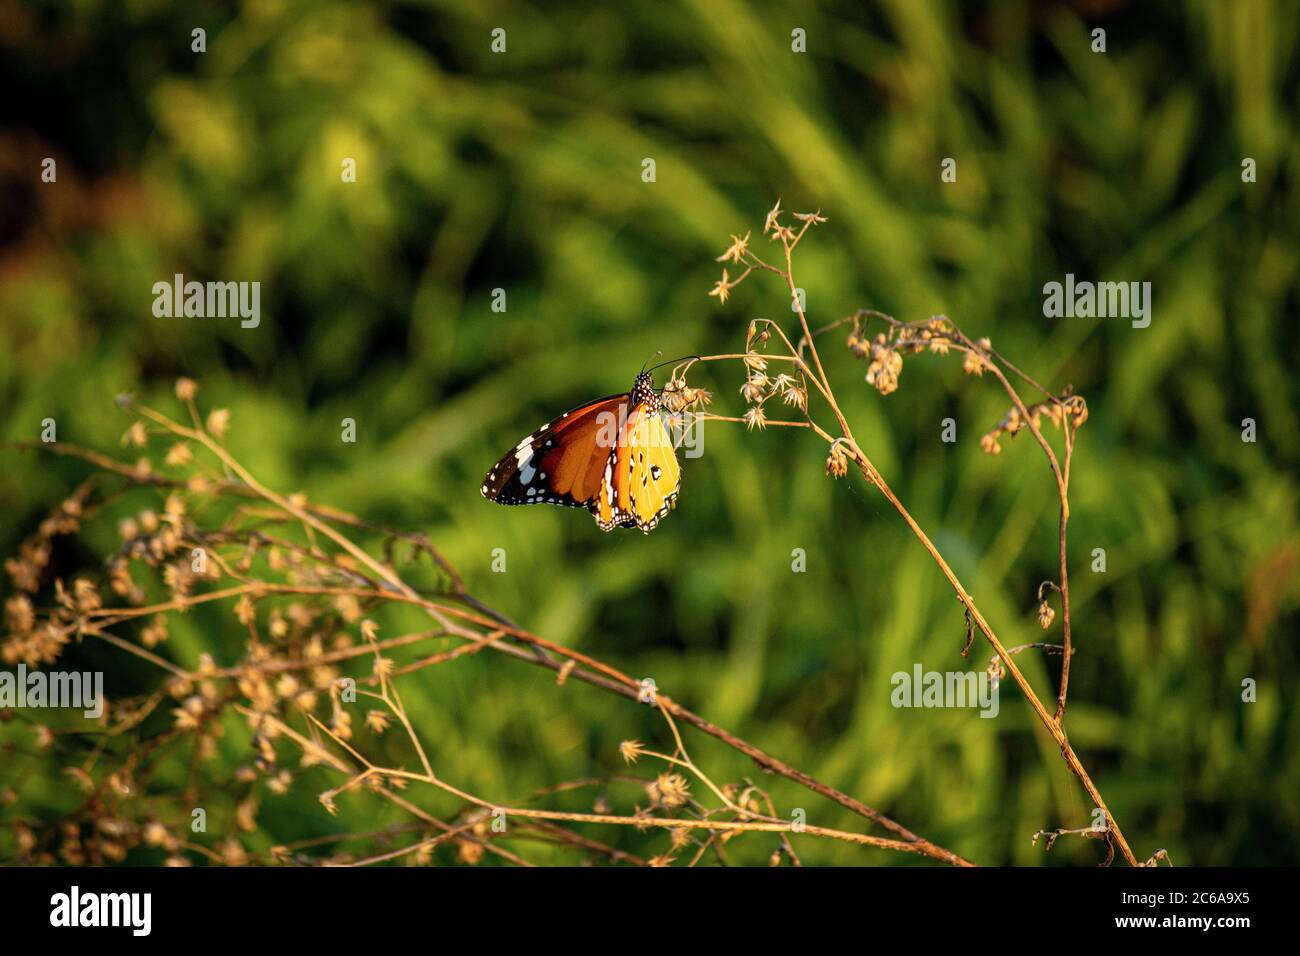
522 171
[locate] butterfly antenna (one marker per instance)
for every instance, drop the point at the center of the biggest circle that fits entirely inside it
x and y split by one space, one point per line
647 362
681 358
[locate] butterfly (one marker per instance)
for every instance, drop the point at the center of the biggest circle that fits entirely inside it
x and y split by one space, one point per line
614 457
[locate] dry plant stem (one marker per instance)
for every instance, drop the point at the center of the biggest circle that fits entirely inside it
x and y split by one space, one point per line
1065 580
312 747
1060 474
309 520
460 623
873 477
1048 721
669 823
605 676
388 695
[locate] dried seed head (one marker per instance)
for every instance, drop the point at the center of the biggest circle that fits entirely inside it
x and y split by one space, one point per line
722 288
736 250
670 790
86 596
773 220
754 389
837 463
20 615
791 391
378 720
218 422
156 631
976 361
1077 408
469 852
178 455
1045 615
341 724
677 395
886 364
631 751
155 834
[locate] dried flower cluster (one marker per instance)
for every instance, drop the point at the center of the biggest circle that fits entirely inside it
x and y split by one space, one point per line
884 350
312 683
678 396
1071 409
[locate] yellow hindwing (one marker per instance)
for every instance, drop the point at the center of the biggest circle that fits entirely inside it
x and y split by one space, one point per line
641 477
654 477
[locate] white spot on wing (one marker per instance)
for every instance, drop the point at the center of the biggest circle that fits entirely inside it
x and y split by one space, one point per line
524 458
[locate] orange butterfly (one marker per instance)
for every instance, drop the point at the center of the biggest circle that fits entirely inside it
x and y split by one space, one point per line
613 456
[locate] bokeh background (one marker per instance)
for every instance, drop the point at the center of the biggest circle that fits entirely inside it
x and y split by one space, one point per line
522 171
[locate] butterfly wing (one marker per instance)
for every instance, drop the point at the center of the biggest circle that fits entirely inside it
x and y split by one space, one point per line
656 477
562 463
642 478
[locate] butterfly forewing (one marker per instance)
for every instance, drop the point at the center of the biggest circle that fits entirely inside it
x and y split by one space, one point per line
561 463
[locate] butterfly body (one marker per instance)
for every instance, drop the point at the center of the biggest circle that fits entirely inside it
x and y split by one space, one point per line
613 456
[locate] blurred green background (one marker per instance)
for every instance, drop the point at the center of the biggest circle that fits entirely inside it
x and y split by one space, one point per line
522 171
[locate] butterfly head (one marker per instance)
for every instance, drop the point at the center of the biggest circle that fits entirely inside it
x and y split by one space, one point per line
643 392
